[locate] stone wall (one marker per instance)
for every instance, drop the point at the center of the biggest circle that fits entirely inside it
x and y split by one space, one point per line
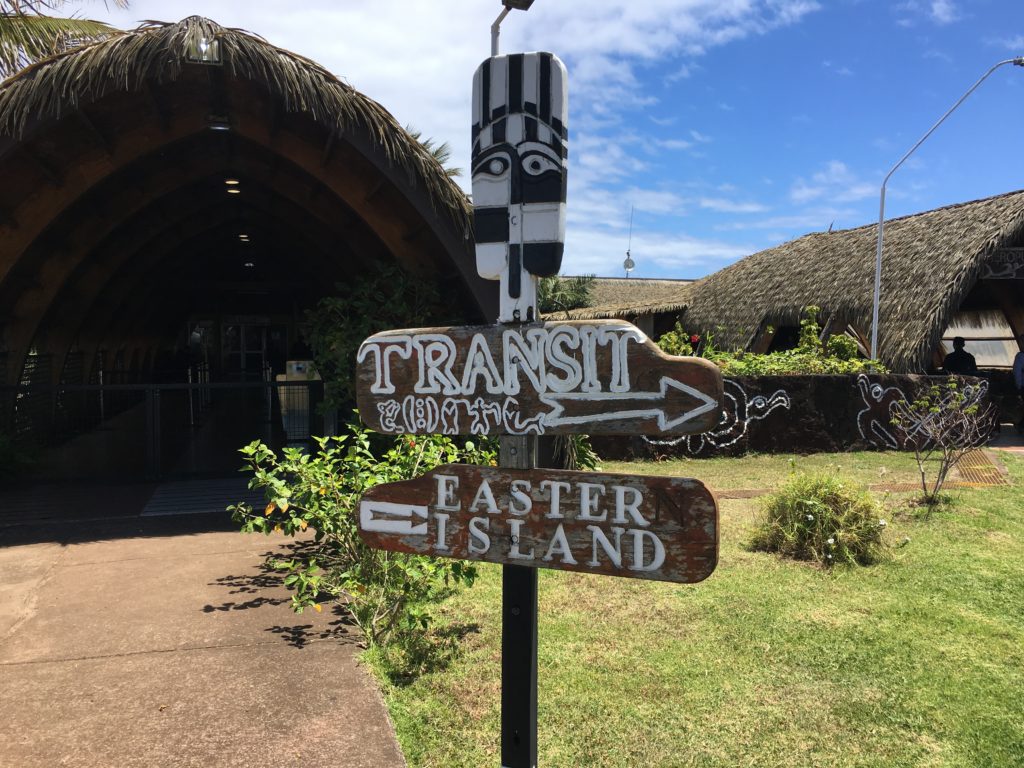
796 414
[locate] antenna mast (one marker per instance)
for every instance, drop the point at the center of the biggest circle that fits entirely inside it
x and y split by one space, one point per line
629 265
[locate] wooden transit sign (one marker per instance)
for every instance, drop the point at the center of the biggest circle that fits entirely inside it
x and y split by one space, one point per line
659 528
594 377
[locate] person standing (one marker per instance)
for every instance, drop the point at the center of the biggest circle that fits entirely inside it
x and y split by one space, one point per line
960 361
1018 380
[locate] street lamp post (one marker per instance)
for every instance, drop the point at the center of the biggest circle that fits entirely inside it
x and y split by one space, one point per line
1018 61
520 5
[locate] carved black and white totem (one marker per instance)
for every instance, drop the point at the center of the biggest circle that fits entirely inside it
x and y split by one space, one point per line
520 146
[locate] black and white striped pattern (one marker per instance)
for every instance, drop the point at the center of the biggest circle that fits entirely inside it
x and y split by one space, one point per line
520 146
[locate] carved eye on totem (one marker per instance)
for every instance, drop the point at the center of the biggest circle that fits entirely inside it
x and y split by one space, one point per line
535 164
495 165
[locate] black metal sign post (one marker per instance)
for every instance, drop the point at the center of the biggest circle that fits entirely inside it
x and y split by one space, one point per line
518 636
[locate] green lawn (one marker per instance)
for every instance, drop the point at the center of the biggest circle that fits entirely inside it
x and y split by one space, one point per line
770 471
918 661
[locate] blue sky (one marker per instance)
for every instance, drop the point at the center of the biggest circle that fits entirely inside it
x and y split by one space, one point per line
730 125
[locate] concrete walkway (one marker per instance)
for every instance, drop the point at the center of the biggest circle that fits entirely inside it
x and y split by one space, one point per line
159 642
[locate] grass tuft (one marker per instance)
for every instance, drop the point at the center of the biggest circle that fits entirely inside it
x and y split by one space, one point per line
820 518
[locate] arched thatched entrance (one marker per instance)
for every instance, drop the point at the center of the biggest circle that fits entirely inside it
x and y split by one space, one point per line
188 176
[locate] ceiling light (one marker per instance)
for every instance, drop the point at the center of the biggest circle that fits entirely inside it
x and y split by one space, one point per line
231 182
248 265
234 191
204 51
218 123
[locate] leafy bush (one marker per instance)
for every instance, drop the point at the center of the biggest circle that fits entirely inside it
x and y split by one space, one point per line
679 342
837 356
822 519
575 452
373 301
388 594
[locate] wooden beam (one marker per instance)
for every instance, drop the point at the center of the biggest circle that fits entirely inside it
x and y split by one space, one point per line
863 345
275 120
826 329
763 340
157 105
414 232
1010 302
325 156
99 137
135 180
47 171
374 190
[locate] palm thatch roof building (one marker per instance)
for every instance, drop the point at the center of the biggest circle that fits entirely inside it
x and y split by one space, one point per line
650 304
935 264
957 269
188 173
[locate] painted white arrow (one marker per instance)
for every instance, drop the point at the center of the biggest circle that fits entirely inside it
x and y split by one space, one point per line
615 406
398 518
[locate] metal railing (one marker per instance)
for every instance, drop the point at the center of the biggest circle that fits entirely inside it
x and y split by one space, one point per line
159 417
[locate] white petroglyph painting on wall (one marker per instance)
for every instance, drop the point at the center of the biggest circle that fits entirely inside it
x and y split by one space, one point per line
884 405
739 412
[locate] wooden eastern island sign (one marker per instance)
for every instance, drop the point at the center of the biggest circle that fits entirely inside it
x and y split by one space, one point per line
660 528
597 377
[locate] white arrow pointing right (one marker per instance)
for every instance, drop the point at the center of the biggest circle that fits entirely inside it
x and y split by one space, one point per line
397 518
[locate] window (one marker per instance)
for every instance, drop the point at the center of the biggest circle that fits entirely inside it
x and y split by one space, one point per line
988 336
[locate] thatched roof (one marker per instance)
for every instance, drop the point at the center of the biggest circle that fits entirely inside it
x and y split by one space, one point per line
630 297
931 261
156 51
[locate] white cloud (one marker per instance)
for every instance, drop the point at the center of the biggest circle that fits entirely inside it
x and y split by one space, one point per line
593 250
674 143
811 220
937 56
1015 44
682 73
944 11
722 205
839 70
835 181
938 11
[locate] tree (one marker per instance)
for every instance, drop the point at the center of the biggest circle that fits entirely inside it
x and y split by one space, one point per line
943 424
560 294
28 34
441 152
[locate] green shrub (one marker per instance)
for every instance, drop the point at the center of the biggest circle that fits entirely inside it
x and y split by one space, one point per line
841 347
822 519
837 356
575 452
678 341
380 299
387 593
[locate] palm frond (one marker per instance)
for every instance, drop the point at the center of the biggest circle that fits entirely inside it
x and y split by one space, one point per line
441 152
25 38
